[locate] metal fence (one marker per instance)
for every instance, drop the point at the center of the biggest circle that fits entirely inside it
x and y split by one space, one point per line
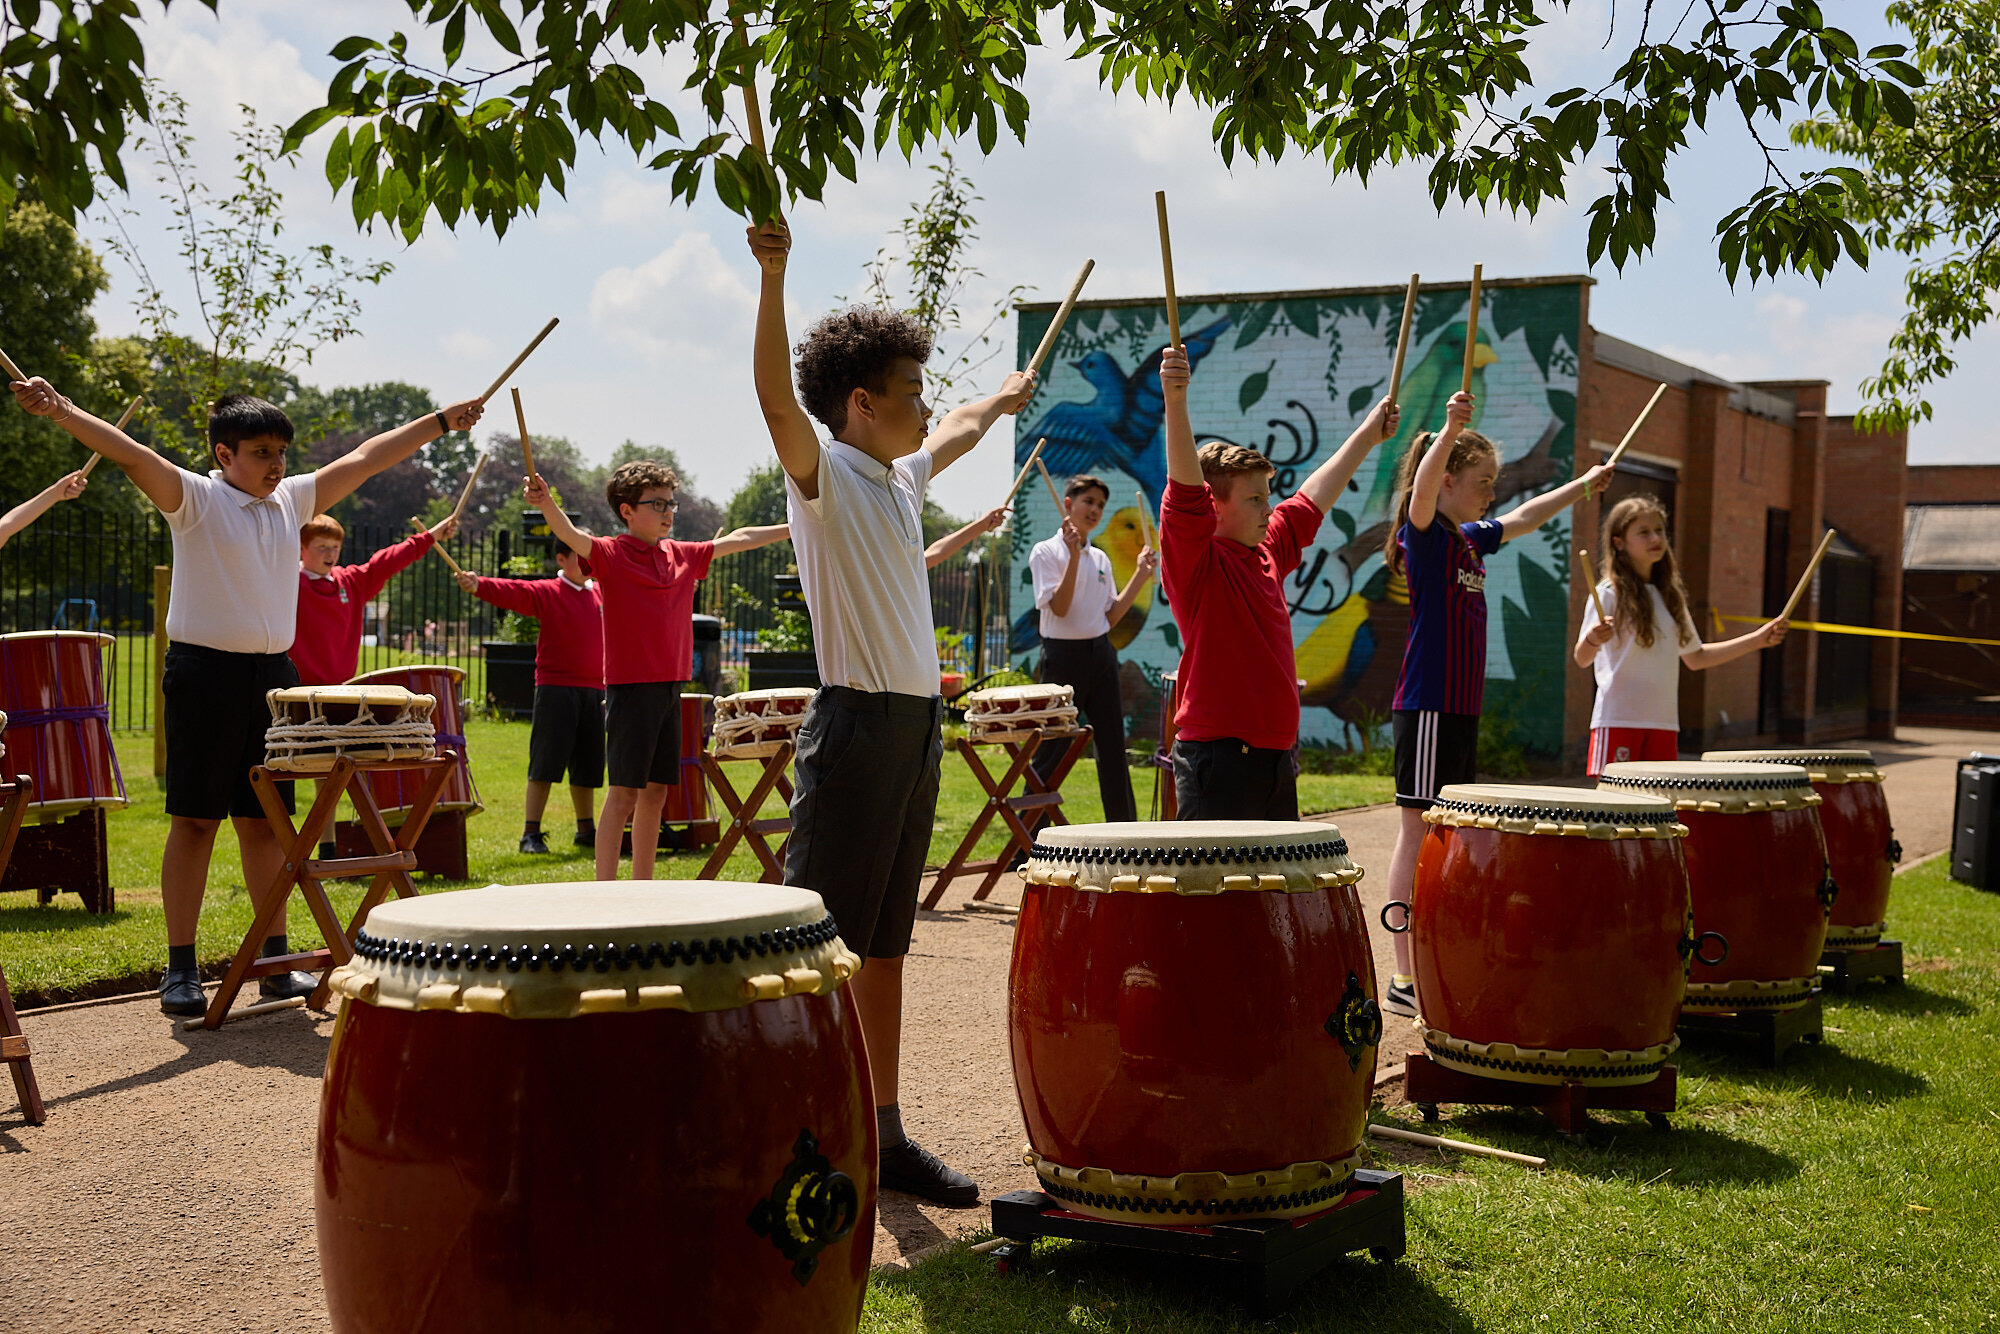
82 570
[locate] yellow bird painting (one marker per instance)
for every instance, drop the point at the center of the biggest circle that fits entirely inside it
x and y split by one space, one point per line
1122 540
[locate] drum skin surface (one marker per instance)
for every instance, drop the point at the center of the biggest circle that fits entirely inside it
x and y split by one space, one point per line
1855 817
398 791
58 724
1549 943
1756 881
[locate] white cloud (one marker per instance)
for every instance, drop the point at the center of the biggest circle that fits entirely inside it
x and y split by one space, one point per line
684 303
1794 337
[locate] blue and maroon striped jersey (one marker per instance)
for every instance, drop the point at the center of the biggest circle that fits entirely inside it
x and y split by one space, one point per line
1444 659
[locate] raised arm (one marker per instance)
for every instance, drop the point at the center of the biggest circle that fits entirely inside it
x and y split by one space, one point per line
1768 635
792 433
1430 469
1183 464
341 478
1073 545
962 427
749 539
535 491
33 508
1532 514
954 542
153 475
1149 560
1323 488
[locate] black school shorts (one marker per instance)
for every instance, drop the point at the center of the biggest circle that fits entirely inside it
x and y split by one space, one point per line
1433 751
642 733
567 736
216 718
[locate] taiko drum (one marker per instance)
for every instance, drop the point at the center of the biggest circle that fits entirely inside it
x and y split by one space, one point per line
58 721
597 1106
398 791
1192 1019
1549 930
1757 874
1861 844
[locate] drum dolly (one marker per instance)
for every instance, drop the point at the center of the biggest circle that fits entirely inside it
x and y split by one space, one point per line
1269 1256
1771 1035
1840 970
1426 1083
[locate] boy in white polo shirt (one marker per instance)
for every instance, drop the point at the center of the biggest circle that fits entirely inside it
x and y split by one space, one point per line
231 622
868 751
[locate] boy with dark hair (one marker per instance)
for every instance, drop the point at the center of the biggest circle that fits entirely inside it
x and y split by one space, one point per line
231 622
567 732
647 581
326 646
1224 553
868 751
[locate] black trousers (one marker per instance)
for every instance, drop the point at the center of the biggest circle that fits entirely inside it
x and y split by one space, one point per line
1227 779
1090 666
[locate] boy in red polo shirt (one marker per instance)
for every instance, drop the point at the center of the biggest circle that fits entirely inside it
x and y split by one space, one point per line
1224 552
326 643
647 580
567 732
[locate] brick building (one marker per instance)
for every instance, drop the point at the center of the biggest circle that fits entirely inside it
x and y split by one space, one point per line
1951 557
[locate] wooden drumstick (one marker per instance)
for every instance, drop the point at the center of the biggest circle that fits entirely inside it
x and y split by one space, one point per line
1062 316
1590 573
515 364
756 125
1034 456
1455 1145
13 371
478 462
249 1011
438 547
1633 434
130 408
1167 265
1403 339
1146 533
1471 331
1054 494
521 420
1812 568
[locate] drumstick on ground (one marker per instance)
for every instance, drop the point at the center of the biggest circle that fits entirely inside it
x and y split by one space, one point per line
478 462
1456 1145
1054 495
1062 316
1805 580
418 524
1590 573
1633 434
130 408
1403 339
1167 266
1471 330
515 364
13 371
521 420
1022 476
261 1007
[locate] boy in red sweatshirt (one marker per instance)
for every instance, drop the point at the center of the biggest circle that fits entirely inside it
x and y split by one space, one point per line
567 732
326 645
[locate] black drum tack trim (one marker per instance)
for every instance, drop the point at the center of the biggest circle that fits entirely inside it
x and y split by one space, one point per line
1560 814
1262 1204
1711 783
388 951
1451 1055
1241 855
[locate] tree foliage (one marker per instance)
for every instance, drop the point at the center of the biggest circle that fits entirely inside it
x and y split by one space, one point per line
1932 192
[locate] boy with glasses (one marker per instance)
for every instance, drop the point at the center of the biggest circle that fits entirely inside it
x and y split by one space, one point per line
647 581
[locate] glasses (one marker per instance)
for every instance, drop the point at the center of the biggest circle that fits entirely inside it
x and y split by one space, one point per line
657 505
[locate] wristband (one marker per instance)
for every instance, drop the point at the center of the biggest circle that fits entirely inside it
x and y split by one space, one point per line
444 427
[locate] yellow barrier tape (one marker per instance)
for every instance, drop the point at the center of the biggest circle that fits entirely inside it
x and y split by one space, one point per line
1869 630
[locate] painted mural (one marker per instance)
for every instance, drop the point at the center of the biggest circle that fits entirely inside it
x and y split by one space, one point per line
1291 376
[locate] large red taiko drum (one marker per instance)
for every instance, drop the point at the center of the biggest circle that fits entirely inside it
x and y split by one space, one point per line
1192 1019
597 1107
1861 844
395 791
1757 873
52 689
1549 929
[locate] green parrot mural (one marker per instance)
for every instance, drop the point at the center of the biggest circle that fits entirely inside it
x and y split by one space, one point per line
1426 389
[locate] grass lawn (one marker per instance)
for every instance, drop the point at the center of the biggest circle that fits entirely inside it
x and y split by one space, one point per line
61 950
1852 1188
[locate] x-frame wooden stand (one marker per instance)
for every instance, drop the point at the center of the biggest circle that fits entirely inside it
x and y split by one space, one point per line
14 1049
389 869
744 826
1042 799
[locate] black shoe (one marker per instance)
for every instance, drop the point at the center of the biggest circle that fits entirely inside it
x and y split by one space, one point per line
284 986
1400 1000
915 1170
181 993
586 838
533 843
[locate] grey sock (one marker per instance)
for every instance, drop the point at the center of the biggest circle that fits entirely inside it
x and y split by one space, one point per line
274 946
889 1125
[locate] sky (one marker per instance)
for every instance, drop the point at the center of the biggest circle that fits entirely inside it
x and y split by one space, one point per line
657 299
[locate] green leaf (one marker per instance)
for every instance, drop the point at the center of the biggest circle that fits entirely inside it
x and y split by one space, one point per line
1254 387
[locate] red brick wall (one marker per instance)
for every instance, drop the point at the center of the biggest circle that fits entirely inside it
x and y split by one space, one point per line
1867 486
1954 484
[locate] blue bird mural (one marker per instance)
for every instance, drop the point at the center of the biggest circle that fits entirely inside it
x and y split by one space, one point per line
1122 426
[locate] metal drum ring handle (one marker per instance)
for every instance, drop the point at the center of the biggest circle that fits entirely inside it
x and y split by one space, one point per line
1392 904
1702 939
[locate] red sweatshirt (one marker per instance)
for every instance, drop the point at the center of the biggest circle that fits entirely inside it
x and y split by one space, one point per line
649 596
1238 674
570 651
327 645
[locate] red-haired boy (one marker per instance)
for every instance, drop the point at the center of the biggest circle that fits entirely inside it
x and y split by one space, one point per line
326 643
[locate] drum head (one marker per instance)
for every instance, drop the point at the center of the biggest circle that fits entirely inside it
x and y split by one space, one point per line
1825 766
456 674
1524 809
1192 857
1013 698
561 950
1701 785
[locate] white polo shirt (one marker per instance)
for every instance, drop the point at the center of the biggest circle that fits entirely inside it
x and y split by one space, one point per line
1090 596
236 563
860 546
1638 687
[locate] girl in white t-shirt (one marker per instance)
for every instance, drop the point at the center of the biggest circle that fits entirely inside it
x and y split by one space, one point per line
1636 654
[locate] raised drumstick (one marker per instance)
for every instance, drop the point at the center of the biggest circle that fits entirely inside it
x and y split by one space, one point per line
1590 573
1062 316
521 420
1034 456
1054 494
1146 533
1403 339
1812 568
1471 331
438 547
130 408
1633 434
478 462
756 119
515 364
1167 265
13 371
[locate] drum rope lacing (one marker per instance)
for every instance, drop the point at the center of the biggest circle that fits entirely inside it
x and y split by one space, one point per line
1184 856
62 713
723 949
